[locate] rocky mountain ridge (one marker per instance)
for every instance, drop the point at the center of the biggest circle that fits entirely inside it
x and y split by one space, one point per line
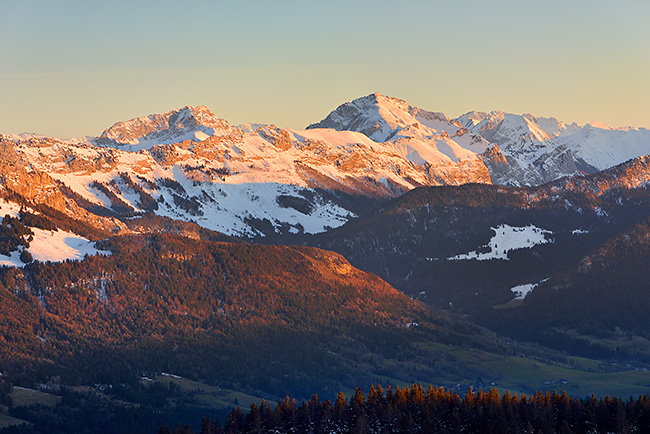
187 123
541 149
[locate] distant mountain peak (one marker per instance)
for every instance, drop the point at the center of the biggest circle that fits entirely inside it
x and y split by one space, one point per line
382 118
187 123
600 125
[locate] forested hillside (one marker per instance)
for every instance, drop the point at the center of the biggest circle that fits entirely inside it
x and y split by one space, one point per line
207 309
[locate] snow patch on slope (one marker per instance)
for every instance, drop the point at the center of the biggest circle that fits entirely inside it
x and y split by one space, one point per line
232 207
521 291
506 239
54 246
58 246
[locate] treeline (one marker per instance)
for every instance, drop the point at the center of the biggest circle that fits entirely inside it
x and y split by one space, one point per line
433 411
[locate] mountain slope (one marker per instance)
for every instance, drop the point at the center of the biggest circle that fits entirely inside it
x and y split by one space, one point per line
169 324
595 306
240 182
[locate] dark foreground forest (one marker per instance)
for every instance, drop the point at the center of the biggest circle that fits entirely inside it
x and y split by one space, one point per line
436 410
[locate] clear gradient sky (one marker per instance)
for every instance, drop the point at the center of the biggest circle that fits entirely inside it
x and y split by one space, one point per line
73 68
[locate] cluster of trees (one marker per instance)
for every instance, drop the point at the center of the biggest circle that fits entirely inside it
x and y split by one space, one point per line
146 203
436 410
13 234
151 223
5 389
117 204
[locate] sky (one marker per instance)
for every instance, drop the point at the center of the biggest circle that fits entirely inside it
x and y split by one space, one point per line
73 68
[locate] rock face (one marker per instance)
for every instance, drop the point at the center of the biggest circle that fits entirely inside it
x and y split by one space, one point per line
16 176
375 115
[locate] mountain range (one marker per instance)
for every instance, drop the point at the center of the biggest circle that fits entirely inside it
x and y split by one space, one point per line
257 181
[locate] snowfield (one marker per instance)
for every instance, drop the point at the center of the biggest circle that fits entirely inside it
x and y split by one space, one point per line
506 239
55 246
9 208
58 246
521 291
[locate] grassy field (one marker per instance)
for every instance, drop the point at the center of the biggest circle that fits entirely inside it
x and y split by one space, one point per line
577 376
617 338
6 420
22 396
210 396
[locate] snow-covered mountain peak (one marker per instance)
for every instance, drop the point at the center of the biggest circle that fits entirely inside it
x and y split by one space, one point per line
188 123
513 133
599 125
557 128
547 148
473 118
374 115
384 118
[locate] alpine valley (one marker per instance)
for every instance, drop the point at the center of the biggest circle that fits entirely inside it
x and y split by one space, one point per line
177 265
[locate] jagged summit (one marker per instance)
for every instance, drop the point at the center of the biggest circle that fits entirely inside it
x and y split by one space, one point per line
420 136
502 127
187 123
543 143
382 118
